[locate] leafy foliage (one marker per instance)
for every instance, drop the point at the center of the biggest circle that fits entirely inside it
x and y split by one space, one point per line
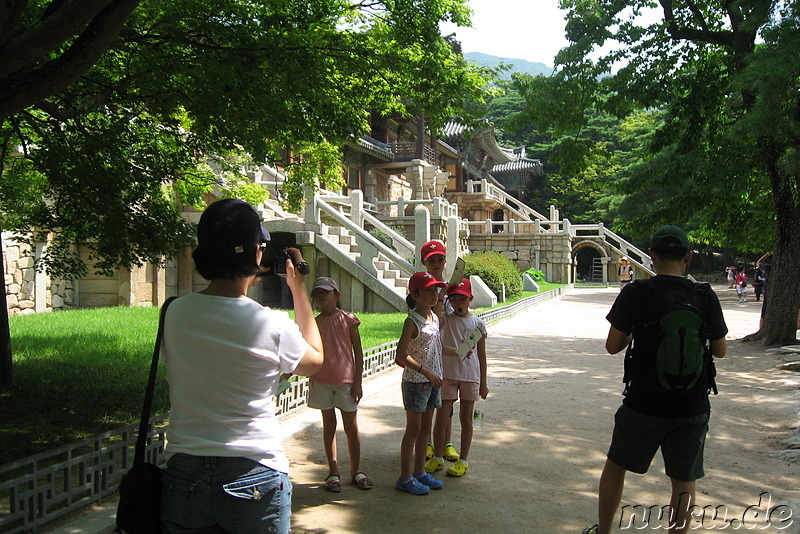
190 97
722 160
495 270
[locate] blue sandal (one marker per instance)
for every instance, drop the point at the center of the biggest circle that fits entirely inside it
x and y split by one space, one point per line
413 486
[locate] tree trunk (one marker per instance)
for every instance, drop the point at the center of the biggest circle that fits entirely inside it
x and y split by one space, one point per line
783 286
6 366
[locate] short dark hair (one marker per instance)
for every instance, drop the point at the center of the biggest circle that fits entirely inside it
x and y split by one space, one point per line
670 254
211 265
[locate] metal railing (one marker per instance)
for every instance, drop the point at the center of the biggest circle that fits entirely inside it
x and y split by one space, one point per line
42 488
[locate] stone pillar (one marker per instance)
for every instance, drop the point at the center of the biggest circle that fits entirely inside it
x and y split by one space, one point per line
370 182
126 295
357 207
453 242
185 271
40 282
422 233
605 261
159 283
415 177
311 214
536 251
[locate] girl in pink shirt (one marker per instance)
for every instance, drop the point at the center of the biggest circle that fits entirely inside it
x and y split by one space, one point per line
338 383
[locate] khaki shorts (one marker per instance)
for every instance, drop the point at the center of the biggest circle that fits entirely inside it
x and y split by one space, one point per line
330 396
458 389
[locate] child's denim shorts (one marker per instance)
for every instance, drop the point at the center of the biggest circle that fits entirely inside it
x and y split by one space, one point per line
420 396
214 493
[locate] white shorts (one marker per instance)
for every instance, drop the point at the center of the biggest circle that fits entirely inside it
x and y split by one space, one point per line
740 289
330 396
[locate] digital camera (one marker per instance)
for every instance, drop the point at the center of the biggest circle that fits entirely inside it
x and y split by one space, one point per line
277 264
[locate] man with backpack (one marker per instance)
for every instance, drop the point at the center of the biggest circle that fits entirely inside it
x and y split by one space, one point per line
676 328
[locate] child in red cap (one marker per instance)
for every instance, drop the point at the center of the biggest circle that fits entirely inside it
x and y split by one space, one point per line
434 258
419 351
464 375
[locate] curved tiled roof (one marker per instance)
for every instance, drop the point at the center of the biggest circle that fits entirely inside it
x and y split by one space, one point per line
521 164
372 146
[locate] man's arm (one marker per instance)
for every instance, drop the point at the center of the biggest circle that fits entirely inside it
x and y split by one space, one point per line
719 348
616 340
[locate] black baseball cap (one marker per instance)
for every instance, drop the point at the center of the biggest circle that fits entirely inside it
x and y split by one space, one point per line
230 226
669 236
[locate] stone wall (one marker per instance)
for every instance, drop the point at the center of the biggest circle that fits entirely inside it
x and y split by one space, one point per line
550 253
28 291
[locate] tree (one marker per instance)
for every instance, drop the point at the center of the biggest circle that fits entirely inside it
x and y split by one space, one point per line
731 119
119 107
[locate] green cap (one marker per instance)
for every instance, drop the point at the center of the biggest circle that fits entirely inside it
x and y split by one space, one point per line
670 236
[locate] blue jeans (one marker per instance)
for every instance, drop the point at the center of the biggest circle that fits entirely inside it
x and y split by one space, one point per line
219 495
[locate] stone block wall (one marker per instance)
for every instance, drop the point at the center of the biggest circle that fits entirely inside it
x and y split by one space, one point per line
28 291
550 253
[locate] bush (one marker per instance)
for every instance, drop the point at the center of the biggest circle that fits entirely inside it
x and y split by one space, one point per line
536 274
495 270
384 238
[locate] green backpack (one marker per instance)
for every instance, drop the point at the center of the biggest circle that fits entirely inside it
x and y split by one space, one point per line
671 351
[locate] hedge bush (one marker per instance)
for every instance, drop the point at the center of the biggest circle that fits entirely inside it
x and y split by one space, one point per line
495 270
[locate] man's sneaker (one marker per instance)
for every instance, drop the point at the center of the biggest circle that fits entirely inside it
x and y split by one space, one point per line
429 481
413 486
591 530
429 452
450 453
433 465
458 469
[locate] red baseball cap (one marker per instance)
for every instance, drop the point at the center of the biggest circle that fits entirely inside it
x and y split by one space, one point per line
464 287
421 280
431 248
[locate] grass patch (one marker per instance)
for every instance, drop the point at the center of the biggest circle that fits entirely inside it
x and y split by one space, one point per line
78 373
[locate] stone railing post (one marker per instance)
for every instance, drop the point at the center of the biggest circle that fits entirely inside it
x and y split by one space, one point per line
453 242
357 207
422 233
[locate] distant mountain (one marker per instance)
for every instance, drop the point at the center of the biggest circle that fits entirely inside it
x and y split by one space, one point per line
517 65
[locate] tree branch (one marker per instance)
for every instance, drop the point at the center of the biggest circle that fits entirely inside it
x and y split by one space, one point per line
27 49
683 33
10 13
18 93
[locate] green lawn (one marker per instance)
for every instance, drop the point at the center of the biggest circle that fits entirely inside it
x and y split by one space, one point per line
82 372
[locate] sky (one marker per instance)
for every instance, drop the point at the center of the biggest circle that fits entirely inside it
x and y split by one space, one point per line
514 29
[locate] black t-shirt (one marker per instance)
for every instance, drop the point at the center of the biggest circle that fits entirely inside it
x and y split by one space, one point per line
629 308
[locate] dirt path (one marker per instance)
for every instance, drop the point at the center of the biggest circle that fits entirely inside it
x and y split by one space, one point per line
536 461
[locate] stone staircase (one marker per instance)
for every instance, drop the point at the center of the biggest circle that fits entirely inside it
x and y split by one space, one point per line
271 209
344 240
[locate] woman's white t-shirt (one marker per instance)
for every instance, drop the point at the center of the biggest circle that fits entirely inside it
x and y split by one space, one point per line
224 357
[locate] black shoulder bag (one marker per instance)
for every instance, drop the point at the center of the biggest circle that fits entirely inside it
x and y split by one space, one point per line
140 489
